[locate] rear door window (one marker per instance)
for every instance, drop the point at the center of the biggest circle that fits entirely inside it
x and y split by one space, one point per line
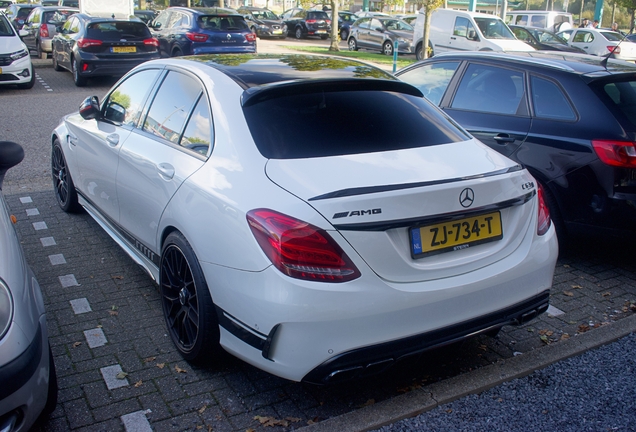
549 101
432 79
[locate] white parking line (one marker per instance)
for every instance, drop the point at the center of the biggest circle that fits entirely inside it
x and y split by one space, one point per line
44 84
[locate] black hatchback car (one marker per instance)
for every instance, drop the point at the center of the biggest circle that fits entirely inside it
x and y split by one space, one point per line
263 22
302 23
92 46
570 119
542 39
194 31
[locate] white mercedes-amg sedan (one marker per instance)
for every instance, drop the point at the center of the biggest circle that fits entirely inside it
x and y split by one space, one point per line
313 216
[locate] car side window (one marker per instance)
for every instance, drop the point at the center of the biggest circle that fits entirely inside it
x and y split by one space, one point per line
75 26
522 20
432 79
364 23
34 17
162 20
461 27
172 106
375 24
549 101
582 36
489 89
125 103
198 133
537 21
67 25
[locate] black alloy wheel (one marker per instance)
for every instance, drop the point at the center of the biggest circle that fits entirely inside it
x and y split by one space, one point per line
79 80
65 193
187 306
344 34
299 32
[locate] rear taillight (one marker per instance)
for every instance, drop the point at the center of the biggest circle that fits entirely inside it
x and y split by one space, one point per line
197 37
543 219
152 41
614 49
616 153
250 37
328 22
44 31
310 21
300 250
85 43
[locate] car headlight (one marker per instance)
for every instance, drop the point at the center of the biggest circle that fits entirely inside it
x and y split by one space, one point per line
19 54
6 308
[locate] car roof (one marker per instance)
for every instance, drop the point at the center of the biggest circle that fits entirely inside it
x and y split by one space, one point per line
581 64
94 19
207 10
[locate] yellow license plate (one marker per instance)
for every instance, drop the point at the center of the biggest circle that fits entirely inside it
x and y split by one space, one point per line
125 49
0 71
321 31
277 32
455 235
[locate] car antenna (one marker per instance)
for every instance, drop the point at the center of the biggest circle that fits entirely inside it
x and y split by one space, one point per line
607 56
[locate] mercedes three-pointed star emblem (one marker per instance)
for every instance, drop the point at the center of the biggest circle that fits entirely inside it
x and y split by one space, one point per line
467 197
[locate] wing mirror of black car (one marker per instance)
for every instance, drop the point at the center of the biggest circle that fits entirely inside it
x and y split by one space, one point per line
11 154
89 109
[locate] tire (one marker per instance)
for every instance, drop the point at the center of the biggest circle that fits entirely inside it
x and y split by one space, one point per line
344 34
387 48
56 65
298 33
176 53
557 219
186 302
79 80
41 54
51 400
353 44
65 192
324 37
31 82
419 54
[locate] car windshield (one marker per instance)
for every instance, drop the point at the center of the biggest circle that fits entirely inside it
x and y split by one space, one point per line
612 36
293 126
6 29
57 17
546 37
397 25
116 30
493 28
264 14
222 23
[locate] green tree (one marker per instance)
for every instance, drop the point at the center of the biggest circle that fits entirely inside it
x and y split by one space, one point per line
335 34
630 5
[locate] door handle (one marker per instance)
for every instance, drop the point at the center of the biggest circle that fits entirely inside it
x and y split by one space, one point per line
112 139
503 138
165 170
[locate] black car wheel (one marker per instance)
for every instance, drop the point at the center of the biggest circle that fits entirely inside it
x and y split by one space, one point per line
176 53
555 215
187 305
31 83
62 182
79 80
344 34
353 44
56 65
387 48
299 32
41 54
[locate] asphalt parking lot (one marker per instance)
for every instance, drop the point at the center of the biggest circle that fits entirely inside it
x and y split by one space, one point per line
118 369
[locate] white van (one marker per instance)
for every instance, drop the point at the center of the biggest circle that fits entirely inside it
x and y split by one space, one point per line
552 20
454 30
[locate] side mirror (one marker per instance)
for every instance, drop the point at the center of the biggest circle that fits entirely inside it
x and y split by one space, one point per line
22 33
472 35
379 29
89 109
156 26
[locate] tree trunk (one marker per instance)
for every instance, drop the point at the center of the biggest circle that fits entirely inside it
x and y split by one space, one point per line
427 32
335 34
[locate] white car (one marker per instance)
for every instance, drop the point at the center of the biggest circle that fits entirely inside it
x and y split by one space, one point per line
15 61
600 42
313 216
28 384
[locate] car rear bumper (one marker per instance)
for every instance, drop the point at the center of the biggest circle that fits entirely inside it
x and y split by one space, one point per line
96 66
317 332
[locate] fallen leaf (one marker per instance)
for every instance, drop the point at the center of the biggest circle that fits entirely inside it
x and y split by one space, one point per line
544 339
530 329
606 294
546 332
577 287
99 326
632 307
149 359
583 328
369 402
483 347
121 375
113 307
179 370
271 421
566 265
449 411
138 383
161 365
293 419
202 409
113 313
76 344
117 277
568 293
565 336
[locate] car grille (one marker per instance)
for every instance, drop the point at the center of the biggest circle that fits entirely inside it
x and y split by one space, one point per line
8 77
5 60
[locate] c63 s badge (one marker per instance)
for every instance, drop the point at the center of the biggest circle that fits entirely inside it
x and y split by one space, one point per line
357 213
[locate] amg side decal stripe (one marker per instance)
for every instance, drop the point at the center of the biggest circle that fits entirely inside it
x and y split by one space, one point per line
403 223
132 240
387 188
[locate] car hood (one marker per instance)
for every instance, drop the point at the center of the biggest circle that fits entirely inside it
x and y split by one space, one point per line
10 44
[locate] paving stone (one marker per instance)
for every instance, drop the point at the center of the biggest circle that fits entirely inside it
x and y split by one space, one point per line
95 338
80 306
110 377
26 200
57 259
39 226
32 212
68 281
136 422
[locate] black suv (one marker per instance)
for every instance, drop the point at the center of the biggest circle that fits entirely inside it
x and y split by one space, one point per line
92 46
194 31
263 22
302 23
570 119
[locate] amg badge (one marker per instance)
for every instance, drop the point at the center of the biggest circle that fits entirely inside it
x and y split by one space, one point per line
357 213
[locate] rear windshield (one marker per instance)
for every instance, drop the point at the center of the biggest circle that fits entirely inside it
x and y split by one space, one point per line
623 98
55 17
223 22
24 12
317 15
346 122
117 30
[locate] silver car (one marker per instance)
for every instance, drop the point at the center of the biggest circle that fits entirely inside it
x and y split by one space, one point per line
380 33
28 384
41 25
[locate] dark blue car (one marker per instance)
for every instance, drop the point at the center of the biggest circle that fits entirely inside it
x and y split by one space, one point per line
192 31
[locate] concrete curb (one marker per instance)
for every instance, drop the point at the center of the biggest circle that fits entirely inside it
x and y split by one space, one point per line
425 399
